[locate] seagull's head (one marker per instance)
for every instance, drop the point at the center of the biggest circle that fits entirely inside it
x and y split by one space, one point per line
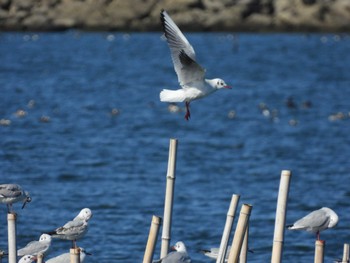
179 247
45 238
220 84
85 214
333 217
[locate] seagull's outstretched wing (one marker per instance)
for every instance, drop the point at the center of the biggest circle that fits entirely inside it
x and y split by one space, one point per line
182 53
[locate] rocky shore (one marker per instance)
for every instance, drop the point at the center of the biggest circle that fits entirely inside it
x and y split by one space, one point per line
207 15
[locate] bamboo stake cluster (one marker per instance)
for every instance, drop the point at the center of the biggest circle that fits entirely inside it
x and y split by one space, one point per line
239 248
12 243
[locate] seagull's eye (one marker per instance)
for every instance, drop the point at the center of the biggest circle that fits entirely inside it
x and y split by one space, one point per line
222 84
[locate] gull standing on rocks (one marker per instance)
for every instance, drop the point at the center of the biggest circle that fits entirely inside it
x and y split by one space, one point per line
27 259
65 257
36 247
316 221
178 256
75 229
13 193
189 73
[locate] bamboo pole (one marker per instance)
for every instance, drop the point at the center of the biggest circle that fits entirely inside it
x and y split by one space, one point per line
345 258
169 197
12 245
244 249
280 220
241 228
227 230
74 255
152 239
40 258
319 251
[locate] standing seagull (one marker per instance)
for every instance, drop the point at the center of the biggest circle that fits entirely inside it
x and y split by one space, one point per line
13 193
75 229
178 256
36 247
317 221
189 73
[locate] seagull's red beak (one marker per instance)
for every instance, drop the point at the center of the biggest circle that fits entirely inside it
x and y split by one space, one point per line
172 248
227 87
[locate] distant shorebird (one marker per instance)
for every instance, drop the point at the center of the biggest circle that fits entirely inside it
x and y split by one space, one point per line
13 193
178 256
75 229
27 259
189 73
65 258
36 247
316 221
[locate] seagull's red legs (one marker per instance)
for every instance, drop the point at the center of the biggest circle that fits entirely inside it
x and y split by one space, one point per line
188 114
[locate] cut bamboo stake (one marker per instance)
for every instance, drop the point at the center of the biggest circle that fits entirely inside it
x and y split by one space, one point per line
169 196
12 246
152 239
40 258
74 255
241 228
244 249
319 251
345 254
280 220
227 230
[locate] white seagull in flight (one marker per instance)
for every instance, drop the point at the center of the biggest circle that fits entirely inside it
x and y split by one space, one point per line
316 221
189 73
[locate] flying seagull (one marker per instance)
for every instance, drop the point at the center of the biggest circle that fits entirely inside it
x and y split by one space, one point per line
179 255
189 73
316 221
13 193
75 229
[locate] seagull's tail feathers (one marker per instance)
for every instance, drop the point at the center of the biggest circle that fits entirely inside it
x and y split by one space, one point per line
295 227
172 95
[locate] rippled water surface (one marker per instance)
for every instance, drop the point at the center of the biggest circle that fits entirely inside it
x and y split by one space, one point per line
83 127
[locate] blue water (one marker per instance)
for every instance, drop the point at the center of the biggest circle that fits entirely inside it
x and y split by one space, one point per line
84 156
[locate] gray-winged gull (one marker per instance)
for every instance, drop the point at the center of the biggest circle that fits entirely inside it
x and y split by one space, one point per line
316 221
189 73
75 229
